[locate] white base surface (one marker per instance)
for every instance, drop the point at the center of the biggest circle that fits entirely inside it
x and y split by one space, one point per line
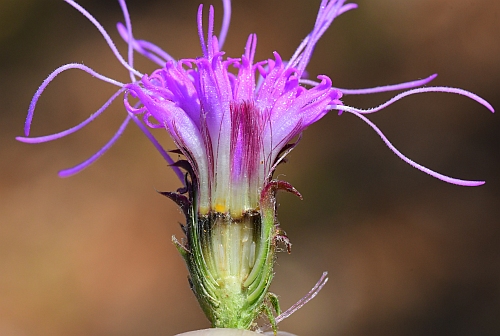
230 332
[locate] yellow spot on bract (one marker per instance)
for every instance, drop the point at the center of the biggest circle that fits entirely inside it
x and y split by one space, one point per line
220 208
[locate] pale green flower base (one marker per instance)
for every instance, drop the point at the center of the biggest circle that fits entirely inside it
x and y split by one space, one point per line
230 332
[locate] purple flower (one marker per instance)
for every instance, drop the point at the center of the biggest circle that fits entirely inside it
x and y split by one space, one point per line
233 127
230 127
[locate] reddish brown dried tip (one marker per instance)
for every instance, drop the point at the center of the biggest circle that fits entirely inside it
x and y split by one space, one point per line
275 185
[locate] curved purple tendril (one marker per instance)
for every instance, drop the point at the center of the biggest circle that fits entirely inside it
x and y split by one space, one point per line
78 168
225 22
73 129
155 49
106 36
413 163
329 10
159 148
332 9
296 54
346 8
130 49
145 48
41 88
378 89
388 88
417 91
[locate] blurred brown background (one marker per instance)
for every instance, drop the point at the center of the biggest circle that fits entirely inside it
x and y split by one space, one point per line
407 254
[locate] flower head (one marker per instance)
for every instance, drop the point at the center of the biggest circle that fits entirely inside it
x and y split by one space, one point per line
234 120
231 128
